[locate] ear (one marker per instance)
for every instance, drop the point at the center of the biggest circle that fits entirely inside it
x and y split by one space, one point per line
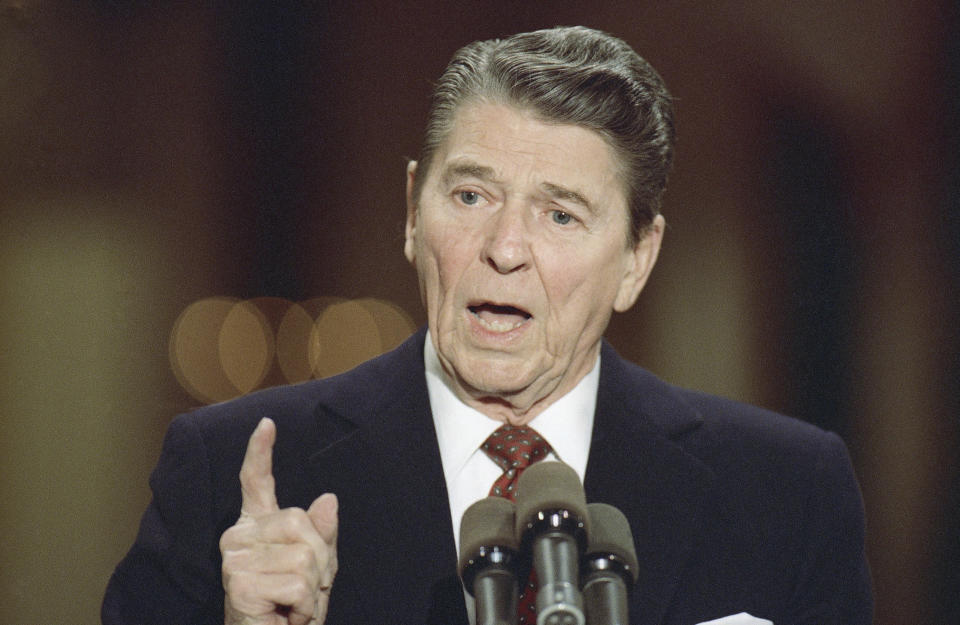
640 262
411 229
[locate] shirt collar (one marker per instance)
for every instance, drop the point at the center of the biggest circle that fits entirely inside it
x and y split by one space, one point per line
566 424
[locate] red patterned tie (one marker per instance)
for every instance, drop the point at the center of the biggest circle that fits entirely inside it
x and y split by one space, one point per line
514 448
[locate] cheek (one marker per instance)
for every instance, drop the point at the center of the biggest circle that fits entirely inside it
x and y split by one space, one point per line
442 261
579 290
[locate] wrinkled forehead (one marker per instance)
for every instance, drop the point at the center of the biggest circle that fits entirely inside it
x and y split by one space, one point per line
510 133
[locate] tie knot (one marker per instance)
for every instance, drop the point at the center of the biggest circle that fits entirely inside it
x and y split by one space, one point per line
513 448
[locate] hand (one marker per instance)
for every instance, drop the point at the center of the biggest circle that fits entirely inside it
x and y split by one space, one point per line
278 565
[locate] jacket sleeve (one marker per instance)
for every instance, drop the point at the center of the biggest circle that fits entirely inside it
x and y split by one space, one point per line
833 578
171 575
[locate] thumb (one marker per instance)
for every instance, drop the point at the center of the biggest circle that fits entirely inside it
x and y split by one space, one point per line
324 514
256 473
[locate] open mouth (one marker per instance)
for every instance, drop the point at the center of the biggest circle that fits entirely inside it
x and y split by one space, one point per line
499 318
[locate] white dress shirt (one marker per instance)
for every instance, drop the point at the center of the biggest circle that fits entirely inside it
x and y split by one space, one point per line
566 424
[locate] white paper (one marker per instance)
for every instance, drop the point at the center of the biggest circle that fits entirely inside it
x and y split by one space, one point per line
738 619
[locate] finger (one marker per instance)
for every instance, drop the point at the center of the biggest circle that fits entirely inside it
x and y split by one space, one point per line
259 595
256 474
323 602
287 526
323 513
299 558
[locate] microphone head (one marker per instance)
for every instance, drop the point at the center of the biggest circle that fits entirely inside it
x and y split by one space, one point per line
487 524
610 535
548 487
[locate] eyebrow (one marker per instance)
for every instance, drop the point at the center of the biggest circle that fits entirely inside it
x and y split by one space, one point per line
466 169
563 193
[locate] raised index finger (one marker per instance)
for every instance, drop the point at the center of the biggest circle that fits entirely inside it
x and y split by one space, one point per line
256 474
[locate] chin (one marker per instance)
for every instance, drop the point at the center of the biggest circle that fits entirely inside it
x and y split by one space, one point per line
498 378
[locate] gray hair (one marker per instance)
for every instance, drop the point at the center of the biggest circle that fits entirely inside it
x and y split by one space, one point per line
571 75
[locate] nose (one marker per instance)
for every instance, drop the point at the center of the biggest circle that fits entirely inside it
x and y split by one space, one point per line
507 244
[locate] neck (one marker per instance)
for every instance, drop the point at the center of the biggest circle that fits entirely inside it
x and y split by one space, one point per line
515 407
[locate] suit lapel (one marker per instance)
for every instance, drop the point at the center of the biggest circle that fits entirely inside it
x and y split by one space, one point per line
380 455
637 464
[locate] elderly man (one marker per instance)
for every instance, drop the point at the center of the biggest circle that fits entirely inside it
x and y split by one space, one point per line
532 215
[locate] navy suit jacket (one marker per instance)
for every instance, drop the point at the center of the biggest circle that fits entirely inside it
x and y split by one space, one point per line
733 508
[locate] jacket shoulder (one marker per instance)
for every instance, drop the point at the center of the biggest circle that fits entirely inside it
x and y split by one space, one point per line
700 421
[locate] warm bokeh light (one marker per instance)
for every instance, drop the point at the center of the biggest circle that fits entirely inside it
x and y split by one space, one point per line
315 307
345 335
195 350
246 346
393 322
221 347
293 351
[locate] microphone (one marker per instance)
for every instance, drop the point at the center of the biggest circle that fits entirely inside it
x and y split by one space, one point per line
489 560
552 521
609 567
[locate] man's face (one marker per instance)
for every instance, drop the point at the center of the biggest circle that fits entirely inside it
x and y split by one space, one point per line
520 240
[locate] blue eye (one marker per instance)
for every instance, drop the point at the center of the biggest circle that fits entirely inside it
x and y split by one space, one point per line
469 198
562 218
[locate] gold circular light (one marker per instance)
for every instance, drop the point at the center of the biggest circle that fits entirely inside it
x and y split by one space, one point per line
246 346
293 344
194 350
221 347
344 336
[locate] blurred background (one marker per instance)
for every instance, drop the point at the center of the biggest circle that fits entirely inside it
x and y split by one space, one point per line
199 199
